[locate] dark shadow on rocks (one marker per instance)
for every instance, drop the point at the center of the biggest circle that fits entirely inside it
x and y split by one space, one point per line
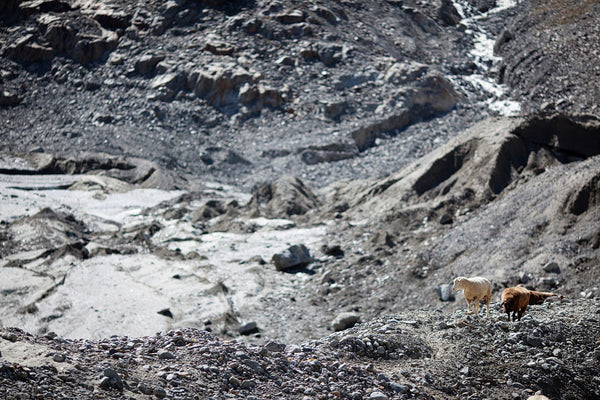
571 137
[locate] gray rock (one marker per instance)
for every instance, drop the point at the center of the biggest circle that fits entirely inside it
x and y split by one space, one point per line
291 17
533 341
329 153
160 392
11 337
218 47
111 380
173 80
344 321
445 292
446 219
436 93
24 49
145 64
402 72
165 355
364 136
254 365
325 13
283 198
333 109
548 282
272 346
448 14
248 328
398 388
252 25
8 98
145 389
294 256
235 381
112 19
552 267
286 60
377 395
219 83
334 250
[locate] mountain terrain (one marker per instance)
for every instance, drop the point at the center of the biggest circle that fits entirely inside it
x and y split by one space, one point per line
270 199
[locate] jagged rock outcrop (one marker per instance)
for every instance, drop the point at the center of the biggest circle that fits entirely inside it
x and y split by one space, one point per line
132 170
283 198
431 96
479 164
84 40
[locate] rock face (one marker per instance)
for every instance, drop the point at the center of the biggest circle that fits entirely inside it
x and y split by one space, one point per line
86 42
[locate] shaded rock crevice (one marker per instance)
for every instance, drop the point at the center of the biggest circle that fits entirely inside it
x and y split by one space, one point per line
571 137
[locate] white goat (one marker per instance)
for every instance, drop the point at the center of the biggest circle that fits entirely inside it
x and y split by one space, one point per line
474 289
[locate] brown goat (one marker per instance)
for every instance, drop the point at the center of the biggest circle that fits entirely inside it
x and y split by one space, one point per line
515 300
539 297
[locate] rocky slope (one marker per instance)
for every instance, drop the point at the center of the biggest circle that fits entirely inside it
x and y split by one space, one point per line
244 92
547 52
285 191
420 355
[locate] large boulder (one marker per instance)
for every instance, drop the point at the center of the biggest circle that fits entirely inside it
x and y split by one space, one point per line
435 94
283 198
448 14
345 320
219 83
328 153
82 39
294 257
47 230
27 50
256 97
400 73
31 7
146 64
430 95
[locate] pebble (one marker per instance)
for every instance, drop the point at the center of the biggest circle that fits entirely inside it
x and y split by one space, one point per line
254 365
377 395
165 355
160 392
111 379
